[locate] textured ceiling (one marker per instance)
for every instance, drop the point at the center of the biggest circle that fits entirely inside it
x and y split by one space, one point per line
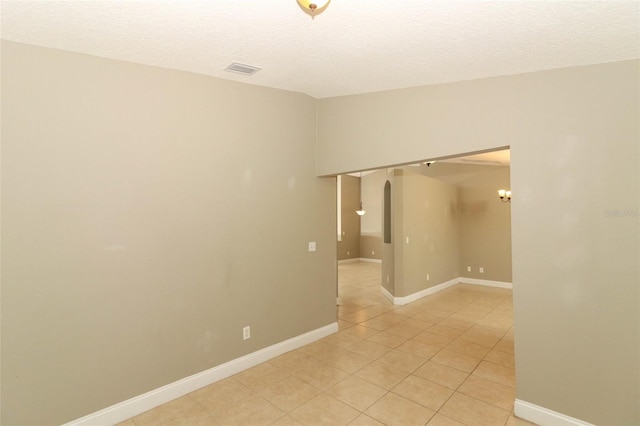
355 46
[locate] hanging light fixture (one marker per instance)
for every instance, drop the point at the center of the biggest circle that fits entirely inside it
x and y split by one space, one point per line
313 7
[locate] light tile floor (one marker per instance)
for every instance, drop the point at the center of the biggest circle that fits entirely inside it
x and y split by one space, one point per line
444 360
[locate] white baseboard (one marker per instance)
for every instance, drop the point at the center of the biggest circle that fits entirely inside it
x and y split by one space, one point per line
487 283
343 261
359 259
139 404
431 290
426 292
369 260
543 416
386 293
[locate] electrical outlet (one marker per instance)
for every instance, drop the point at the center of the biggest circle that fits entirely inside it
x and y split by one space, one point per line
468 268
312 246
427 277
373 253
246 333
481 270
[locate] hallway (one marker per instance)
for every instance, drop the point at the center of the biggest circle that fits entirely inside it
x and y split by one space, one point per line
444 360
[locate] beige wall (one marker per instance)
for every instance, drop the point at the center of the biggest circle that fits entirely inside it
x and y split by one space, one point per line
147 216
427 217
485 226
575 162
371 223
349 247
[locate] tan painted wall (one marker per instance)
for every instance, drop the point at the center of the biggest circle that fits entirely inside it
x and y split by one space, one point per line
428 218
371 223
147 216
575 163
485 226
349 247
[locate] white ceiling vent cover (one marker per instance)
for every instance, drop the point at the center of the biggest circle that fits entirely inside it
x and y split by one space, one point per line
239 68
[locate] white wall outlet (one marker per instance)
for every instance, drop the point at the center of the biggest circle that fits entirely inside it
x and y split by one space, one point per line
407 240
348 252
468 268
246 333
481 270
373 253
312 246
427 277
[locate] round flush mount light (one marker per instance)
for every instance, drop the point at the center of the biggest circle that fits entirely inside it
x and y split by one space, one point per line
313 7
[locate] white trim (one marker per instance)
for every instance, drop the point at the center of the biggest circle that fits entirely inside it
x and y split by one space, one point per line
487 283
353 260
426 292
386 293
431 290
139 404
369 260
543 416
359 259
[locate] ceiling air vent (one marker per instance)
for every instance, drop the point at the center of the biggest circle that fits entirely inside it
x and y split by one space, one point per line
242 68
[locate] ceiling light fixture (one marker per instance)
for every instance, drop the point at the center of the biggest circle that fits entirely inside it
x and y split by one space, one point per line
313 7
505 196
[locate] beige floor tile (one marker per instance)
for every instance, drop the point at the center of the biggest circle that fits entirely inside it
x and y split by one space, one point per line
456 360
404 330
260 376
434 339
376 324
356 392
393 409
470 411
402 360
445 331
252 410
320 376
422 350
458 322
441 420
346 360
479 339
516 421
127 423
503 358
441 374
183 411
496 373
290 360
424 392
217 396
382 375
468 348
342 340
345 325
501 396
387 339
369 349
289 393
364 420
504 346
286 421
325 410
433 315
393 318
361 331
